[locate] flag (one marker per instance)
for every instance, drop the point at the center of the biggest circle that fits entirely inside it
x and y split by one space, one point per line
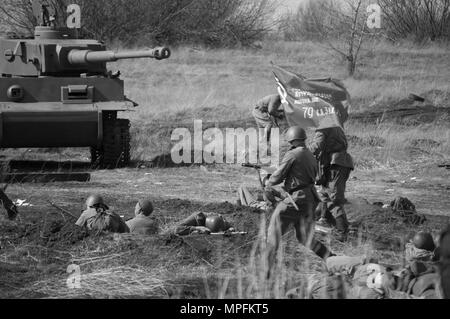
317 103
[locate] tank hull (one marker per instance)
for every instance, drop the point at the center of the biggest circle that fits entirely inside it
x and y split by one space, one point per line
58 112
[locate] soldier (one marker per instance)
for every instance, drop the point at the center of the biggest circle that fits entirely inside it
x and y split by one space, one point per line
419 279
9 206
335 165
199 223
267 113
298 171
143 224
97 217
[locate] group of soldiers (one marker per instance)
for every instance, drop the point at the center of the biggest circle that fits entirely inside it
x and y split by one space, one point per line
98 218
290 193
327 163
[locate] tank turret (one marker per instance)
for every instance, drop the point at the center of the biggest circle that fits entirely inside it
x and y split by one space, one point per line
55 52
56 91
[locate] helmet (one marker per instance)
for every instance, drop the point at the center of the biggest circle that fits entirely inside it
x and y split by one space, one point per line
146 207
95 200
423 240
296 133
376 280
215 223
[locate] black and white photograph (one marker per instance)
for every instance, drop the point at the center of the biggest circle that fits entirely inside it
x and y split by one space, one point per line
223 155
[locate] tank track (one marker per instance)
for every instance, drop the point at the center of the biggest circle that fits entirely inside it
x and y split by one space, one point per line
115 151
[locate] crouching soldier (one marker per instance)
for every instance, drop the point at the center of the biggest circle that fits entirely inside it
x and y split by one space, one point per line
199 223
335 165
98 218
9 206
143 223
267 113
298 172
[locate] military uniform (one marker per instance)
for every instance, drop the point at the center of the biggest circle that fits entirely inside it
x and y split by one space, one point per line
298 171
267 113
193 223
102 220
419 278
143 225
335 165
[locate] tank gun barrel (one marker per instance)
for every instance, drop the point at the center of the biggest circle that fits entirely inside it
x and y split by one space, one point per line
77 57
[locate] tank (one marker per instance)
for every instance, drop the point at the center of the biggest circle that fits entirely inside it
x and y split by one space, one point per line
56 91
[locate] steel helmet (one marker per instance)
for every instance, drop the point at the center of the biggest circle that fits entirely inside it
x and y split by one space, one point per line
145 207
375 281
296 133
95 201
424 240
215 223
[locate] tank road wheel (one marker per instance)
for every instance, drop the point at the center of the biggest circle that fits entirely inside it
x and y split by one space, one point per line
115 151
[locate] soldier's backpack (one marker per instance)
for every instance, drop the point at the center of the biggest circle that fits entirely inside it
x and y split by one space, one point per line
106 221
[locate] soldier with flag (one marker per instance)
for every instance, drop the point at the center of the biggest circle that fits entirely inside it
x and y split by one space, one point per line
322 104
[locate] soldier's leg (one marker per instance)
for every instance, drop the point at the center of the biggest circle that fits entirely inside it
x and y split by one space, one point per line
338 183
264 122
246 197
304 229
9 206
337 186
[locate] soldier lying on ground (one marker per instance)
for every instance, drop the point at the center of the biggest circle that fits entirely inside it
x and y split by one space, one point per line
143 223
9 206
98 218
199 223
362 278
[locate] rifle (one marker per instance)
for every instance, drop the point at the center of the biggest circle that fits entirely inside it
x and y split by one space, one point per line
62 210
291 199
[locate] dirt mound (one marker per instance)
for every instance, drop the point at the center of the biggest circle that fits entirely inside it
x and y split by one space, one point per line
48 234
385 228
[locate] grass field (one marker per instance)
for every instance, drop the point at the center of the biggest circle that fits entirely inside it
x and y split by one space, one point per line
393 159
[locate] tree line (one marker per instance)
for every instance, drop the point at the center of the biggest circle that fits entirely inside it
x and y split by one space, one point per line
135 22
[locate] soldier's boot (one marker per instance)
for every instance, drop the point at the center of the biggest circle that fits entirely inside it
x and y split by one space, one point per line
321 250
342 227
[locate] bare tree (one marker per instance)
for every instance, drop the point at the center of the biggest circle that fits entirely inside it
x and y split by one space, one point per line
343 27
